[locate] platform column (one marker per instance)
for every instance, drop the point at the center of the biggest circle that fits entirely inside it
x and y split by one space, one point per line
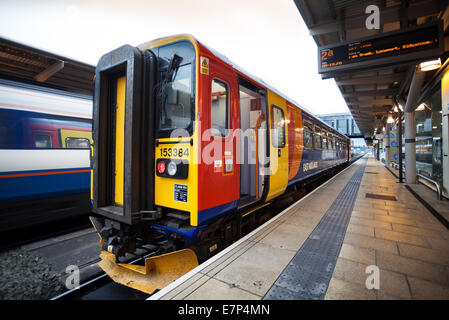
387 144
410 128
410 147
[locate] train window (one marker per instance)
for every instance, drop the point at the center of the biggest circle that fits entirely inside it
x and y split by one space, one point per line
77 143
308 134
42 141
278 126
176 110
317 138
324 140
308 139
219 108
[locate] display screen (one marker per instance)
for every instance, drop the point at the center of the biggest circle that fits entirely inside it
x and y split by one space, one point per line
398 44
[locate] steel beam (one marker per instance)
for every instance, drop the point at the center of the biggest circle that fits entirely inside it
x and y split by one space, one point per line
371 93
386 78
51 70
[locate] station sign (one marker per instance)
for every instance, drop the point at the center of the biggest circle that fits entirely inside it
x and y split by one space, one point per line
414 44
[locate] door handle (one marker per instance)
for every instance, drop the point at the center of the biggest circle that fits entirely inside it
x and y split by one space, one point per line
279 153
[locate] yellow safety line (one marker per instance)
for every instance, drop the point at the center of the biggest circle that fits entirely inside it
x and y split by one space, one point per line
264 205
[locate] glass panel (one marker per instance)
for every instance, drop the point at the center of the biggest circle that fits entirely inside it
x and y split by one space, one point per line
342 126
278 121
428 137
42 141
317 138
219 108
77 143
324 140
176 110
308 140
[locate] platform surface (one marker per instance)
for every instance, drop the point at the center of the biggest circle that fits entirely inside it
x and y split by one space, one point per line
407 244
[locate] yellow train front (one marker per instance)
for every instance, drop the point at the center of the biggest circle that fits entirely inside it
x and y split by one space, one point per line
187 146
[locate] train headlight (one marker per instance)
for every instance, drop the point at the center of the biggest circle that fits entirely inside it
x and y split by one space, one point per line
171 168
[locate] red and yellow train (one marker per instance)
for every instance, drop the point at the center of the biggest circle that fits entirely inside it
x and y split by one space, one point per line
187 146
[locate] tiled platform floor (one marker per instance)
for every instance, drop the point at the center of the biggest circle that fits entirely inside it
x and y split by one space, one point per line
410 247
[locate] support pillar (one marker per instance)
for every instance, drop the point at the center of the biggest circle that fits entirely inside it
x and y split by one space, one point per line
410 128
387 144
399 140
410 147
378 150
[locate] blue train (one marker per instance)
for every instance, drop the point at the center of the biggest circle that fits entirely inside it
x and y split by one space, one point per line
45 139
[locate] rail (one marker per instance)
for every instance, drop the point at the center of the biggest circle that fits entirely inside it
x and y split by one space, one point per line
437 185
395 165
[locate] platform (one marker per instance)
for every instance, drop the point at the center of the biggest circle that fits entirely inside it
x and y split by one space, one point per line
321 246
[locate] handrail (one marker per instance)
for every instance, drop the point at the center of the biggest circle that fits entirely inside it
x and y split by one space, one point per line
437 185
261 117
419 175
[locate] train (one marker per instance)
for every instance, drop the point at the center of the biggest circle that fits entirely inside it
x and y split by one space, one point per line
187 148
45 155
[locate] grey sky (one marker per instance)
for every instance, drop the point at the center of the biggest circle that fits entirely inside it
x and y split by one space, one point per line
266 37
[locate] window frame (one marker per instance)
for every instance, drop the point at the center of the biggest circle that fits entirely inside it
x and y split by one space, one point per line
317 132
82 138
42 134
228 91
275 145
324 137
308 127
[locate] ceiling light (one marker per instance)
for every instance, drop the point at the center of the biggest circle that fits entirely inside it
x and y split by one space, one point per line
430 65
420 107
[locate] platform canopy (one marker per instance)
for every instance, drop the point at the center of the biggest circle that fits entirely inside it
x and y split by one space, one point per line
373 68
23 63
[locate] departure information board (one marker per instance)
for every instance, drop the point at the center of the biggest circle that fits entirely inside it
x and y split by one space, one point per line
394 47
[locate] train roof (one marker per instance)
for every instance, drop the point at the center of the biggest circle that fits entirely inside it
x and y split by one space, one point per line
23 97
262 82
247 74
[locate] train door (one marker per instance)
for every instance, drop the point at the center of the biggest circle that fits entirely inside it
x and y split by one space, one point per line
278 145
218 187
253 140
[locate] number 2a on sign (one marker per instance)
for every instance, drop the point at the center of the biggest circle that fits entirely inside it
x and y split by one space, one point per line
327 53
204 65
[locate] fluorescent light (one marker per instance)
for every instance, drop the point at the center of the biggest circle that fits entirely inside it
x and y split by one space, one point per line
421 107
430 65
390 119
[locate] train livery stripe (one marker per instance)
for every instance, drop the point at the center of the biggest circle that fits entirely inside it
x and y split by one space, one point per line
295 140
36 160
30 174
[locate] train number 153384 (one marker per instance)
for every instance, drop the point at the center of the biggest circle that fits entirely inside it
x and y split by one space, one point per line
174 152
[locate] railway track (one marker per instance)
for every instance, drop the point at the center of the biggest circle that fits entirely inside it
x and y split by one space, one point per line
23 236
103 288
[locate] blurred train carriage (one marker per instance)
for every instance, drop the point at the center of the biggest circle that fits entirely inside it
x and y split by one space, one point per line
45 138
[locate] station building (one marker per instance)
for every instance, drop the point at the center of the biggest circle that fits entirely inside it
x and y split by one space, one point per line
390 62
